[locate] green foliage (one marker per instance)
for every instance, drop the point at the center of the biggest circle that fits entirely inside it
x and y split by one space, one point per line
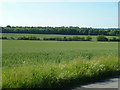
28 38
61 30
60 38
12 38
60 75
102 38
4 37
57 37
88 38
114 39
74 38
8 26
49 38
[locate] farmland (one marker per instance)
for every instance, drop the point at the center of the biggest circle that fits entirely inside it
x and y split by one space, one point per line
50 64
57 44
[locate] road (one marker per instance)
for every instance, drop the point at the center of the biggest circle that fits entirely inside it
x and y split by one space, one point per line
109 83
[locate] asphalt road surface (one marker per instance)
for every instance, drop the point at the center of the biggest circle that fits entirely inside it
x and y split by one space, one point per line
109 83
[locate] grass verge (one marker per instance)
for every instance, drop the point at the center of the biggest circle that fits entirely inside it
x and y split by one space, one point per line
60 75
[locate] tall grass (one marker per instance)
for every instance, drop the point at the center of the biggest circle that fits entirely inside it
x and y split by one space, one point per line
59 75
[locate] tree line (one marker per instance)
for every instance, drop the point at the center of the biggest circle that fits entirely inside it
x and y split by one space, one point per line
61 30
74 38
104 38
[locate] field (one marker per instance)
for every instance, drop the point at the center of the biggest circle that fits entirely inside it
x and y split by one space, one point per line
51 64
58 44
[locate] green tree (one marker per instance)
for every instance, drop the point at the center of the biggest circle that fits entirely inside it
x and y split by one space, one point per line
8 26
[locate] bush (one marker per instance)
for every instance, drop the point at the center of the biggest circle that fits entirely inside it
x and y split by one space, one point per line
33 38
88 38
58 39
114 39
4 38
102 38
23 38
12 38
49 38
74 38
52 38
65 39
69 39
28 38
45 39
82 38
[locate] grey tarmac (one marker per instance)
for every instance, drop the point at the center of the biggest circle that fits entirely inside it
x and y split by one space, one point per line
108 83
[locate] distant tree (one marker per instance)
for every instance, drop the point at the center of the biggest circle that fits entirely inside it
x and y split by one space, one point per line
8 26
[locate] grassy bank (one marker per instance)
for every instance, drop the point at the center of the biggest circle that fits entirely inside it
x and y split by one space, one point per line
51 64
64 74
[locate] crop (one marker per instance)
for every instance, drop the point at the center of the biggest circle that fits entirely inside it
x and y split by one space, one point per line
57 64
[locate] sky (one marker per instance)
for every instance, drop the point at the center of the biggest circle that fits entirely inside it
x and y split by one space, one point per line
81 14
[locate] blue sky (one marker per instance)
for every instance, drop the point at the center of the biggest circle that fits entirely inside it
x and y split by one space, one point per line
82 14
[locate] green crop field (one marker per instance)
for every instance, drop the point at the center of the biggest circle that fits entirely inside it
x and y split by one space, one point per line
50 64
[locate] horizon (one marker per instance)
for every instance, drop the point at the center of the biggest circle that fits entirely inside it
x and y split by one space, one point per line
67 26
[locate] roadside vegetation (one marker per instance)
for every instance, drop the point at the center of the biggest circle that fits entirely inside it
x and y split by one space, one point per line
60 75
